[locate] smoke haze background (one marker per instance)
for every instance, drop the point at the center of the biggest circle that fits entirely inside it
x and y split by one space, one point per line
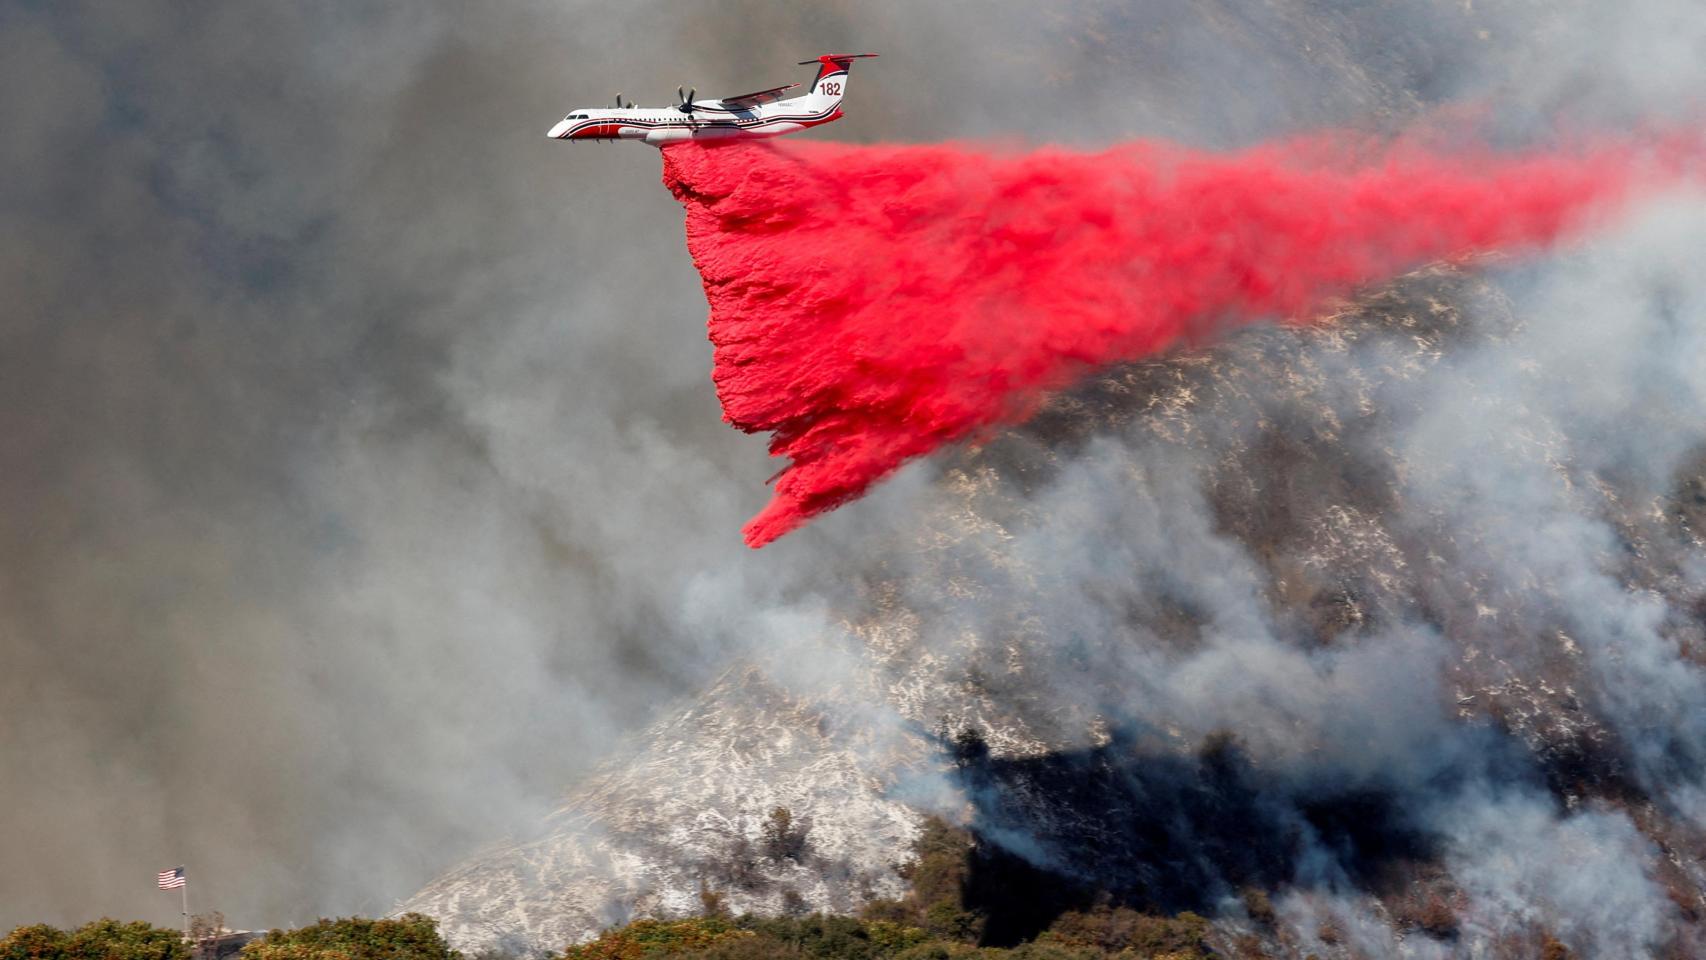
362 476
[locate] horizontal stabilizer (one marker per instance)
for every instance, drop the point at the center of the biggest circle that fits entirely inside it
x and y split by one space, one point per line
762 96
835 56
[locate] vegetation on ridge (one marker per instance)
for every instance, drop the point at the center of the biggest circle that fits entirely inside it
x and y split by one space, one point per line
934 921
408 937
963 903
103 939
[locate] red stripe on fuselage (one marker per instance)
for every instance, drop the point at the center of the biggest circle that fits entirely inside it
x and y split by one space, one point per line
607 128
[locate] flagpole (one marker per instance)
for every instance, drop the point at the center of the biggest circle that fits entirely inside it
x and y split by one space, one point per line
185 890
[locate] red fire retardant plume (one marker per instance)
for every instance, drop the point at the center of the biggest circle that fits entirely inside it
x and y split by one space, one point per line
872 303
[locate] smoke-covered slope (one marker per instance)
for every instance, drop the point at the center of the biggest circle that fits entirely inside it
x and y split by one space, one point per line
1388 612
683 810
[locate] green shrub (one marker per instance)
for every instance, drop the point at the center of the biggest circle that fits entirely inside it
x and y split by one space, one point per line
1045 950
100 940
1183 937
937 875
742 948
837 938
409 937
939 950
941 862
946 920
658 938
1119 929
892 937
1101 934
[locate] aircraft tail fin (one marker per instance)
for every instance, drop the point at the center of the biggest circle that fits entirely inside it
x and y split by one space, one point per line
832 73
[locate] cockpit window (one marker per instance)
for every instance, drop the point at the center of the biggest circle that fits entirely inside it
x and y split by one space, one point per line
577 116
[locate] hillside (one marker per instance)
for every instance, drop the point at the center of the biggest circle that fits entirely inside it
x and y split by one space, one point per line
1256 617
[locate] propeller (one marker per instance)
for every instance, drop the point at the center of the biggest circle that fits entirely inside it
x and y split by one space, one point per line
686 99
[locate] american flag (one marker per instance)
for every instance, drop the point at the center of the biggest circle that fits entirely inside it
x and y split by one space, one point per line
173 879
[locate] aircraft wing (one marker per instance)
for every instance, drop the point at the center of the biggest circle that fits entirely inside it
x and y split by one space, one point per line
762 96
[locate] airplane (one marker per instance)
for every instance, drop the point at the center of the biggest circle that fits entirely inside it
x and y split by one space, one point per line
748 116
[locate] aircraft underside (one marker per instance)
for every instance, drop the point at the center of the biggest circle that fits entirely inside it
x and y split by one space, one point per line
660 132
707 131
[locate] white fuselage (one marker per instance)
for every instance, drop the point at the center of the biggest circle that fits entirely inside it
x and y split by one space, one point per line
709 120
739 118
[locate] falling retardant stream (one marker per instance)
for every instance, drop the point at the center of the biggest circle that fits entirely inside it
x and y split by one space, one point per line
870 304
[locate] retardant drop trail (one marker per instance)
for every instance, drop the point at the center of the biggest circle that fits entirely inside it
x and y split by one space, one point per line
870 304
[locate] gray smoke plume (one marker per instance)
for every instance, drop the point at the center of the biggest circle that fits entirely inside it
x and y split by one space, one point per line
364 485
1454 568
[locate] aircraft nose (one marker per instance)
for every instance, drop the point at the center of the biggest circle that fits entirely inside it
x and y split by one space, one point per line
557 131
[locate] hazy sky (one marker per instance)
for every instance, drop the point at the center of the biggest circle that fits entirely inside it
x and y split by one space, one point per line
357 447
